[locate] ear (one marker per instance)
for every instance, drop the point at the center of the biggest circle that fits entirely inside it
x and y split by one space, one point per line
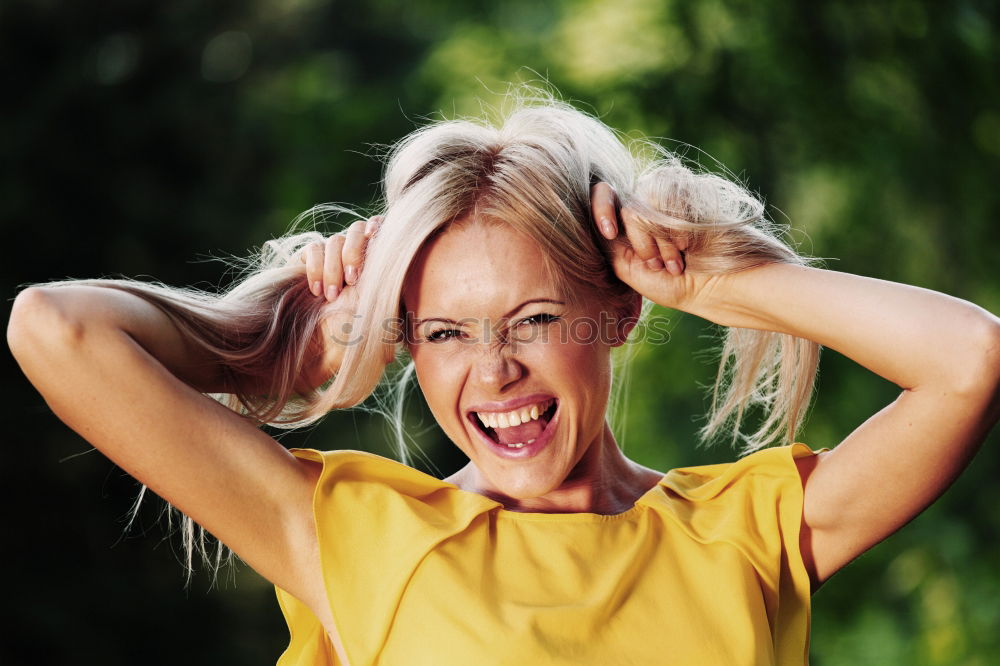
628 318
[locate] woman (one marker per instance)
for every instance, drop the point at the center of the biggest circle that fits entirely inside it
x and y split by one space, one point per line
510 264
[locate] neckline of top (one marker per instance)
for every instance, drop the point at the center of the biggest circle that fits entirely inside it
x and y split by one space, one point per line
495 506
565 516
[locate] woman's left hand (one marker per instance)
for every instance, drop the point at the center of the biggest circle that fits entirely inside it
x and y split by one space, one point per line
653 265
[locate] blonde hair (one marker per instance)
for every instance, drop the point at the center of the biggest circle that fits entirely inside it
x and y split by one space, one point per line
531 167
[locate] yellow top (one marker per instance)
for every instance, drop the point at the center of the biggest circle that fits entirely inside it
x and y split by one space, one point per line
705 569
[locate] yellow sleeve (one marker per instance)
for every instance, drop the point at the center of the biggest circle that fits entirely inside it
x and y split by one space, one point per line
375 521
755 504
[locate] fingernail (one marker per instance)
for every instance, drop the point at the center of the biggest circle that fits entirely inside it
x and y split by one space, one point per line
350 274
607 228
317 288
673 267
370 227
654 264
331 293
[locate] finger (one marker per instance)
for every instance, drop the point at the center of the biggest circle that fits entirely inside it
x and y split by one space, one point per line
313 254
672 258
372 225
333 269
353 252
644 244
625 263
681 240
604 209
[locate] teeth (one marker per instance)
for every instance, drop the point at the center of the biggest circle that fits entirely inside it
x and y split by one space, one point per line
520 444
513 418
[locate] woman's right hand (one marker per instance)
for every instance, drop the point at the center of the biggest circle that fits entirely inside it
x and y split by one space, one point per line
332 270
335 263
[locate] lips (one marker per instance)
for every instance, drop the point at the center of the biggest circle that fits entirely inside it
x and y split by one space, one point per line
518 449
510 404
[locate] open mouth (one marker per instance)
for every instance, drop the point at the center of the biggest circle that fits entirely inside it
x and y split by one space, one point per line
516 432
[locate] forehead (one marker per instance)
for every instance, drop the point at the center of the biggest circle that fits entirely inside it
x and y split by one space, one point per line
476 269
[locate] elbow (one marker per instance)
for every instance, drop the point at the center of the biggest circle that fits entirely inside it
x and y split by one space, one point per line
980 375
27 309
36 319
993 363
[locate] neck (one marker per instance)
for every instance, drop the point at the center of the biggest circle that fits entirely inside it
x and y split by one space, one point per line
604 482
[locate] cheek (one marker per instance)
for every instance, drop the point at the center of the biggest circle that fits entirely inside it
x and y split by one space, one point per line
431 373
582 364
577 348
440 378
578 372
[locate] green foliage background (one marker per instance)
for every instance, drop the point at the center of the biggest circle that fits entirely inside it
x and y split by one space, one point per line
140 138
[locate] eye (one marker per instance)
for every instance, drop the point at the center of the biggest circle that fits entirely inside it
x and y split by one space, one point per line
443 334
543 318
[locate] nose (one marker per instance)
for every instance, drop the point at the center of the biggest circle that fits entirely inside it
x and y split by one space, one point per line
495 367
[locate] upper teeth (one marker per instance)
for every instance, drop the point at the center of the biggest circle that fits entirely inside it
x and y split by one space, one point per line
514 417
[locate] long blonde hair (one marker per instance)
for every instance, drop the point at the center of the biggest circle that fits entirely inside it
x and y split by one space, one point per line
530 166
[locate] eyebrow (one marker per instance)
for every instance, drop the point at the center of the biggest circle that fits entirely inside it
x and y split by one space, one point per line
445 320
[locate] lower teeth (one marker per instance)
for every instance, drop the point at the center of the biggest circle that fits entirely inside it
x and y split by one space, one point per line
519 444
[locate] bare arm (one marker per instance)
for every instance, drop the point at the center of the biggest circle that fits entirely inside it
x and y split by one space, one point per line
81 349
943 352
117 370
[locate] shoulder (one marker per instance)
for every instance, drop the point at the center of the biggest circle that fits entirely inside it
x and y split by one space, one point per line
378 493
754 503
775 464
358 469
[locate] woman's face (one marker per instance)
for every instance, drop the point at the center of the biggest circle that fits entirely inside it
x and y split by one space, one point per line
491 335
